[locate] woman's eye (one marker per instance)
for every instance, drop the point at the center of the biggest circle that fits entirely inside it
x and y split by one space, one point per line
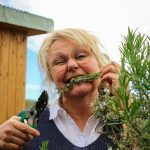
81 57
59 62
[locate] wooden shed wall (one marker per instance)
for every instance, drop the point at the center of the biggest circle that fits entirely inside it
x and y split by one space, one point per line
12 72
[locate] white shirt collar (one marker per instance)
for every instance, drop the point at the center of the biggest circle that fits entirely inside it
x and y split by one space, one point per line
54 108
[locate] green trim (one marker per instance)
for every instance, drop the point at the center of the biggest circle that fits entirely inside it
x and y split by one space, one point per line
24 19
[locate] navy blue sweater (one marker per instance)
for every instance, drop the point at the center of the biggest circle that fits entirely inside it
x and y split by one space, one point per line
49 131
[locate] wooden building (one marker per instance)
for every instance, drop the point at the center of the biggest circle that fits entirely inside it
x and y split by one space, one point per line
15 27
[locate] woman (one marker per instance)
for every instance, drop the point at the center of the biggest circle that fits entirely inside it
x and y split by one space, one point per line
68 123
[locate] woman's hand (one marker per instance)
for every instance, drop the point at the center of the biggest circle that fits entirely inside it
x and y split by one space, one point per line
110 74
14 134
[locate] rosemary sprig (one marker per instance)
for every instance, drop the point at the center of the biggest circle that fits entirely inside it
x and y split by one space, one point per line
86 78
44 145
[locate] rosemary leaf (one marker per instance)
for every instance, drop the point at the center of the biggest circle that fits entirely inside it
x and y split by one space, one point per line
44 145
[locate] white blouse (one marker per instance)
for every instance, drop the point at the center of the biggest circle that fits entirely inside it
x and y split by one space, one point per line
69 129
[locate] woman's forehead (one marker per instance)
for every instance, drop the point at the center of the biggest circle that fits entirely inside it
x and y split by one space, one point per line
63 41
62 45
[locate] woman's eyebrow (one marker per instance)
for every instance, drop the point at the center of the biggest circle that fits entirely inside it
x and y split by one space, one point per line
59 51
56 53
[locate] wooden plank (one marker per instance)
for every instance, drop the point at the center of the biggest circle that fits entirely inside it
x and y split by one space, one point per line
21 71
12 76
4 51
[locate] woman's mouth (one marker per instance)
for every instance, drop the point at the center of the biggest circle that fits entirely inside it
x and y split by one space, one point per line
69 83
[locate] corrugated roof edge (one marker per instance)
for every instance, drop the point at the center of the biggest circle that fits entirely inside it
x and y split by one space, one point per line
27 21
24 11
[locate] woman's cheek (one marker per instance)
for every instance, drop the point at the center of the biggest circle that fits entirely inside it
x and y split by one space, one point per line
58 79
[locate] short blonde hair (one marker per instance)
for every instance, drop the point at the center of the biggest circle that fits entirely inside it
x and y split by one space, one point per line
79 36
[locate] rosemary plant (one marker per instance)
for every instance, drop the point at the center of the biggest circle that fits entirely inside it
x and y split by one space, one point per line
85 78
126 119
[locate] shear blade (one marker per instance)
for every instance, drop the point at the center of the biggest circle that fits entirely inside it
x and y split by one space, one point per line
41 103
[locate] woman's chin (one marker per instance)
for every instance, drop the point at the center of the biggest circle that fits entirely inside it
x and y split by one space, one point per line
81 89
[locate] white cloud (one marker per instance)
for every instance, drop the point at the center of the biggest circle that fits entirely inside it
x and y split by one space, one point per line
34 42
33 87
107 19
18 4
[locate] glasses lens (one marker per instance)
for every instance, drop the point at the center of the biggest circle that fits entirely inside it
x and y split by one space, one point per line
80 54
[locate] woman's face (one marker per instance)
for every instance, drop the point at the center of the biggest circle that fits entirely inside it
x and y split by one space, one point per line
66 60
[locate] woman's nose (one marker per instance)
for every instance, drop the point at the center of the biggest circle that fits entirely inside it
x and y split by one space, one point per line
72 65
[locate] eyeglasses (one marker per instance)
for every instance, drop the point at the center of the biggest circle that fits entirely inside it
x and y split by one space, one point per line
80 54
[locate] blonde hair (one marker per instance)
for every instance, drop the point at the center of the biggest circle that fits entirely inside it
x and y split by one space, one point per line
79 36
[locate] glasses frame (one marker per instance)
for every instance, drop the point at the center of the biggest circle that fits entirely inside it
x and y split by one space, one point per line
79 62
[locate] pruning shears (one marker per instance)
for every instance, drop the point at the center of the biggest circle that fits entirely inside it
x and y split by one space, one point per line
31 116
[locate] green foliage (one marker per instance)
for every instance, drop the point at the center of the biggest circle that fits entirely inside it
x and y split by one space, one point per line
44 145
29 103
76 80
127 117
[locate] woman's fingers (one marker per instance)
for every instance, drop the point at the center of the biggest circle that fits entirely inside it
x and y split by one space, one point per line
112 67
110 74
26 129
110 78
16 140
13 124
22 135
14 134
11 146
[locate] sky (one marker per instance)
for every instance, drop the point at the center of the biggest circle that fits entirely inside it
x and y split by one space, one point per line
107 19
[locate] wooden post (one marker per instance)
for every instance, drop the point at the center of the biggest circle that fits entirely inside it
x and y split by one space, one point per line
4 47
12 72
15 26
